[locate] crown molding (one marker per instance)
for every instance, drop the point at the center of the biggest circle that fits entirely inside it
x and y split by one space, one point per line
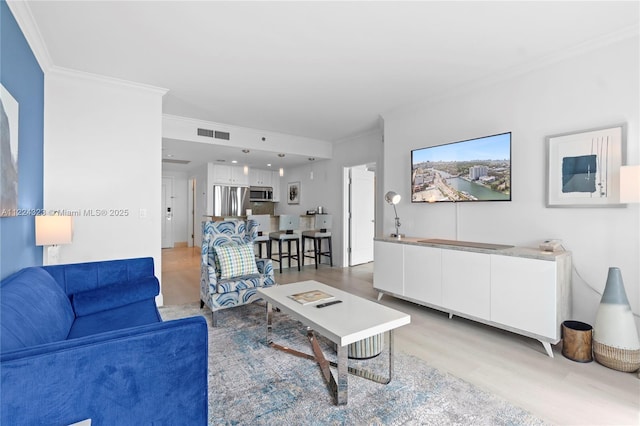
27 23
102 79
22 13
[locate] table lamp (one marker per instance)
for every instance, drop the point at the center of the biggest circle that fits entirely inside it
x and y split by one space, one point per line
394 198
52 231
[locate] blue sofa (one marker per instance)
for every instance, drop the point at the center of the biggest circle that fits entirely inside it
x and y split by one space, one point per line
86 341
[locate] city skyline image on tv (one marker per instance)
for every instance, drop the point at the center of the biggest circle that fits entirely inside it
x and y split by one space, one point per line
472 170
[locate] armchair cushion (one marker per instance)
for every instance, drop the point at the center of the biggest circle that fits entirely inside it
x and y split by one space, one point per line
236 260
240 283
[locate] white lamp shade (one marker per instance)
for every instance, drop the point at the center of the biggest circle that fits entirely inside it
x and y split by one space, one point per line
630 184
54 230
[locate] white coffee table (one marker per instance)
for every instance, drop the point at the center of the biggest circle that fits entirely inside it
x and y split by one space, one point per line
344 323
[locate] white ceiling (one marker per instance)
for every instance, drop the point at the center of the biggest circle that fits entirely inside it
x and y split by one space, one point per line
324 70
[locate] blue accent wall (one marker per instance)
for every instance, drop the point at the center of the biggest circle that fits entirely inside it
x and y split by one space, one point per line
22 76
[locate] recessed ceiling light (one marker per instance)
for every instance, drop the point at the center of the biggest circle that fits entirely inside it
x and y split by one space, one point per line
269 165
234 161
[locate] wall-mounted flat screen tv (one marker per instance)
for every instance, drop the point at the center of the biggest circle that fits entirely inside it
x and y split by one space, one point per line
472 170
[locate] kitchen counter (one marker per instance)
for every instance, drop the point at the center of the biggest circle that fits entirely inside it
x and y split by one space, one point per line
306 221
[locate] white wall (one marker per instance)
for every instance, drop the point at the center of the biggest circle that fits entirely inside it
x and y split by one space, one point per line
181 232
102 152
595 89
325 189
201 177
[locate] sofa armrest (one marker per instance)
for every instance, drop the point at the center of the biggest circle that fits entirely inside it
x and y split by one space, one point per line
152 374
115 295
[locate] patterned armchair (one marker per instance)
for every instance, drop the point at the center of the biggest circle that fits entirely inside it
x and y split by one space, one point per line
228 280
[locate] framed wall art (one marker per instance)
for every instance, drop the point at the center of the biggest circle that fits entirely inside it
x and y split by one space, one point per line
9 114
293 193
583 168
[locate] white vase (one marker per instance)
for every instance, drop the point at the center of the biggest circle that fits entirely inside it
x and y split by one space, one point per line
615 337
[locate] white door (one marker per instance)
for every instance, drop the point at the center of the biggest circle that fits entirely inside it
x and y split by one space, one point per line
167 212
191 216
362 202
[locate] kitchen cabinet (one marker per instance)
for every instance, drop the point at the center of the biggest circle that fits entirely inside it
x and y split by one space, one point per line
229 175
260 177
275 183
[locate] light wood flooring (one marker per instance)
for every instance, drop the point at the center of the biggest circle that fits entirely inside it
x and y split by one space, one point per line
513 367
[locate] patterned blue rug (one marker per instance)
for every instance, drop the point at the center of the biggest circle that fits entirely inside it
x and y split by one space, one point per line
253 384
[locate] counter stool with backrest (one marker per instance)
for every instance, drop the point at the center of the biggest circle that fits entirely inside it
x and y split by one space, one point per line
321 232
264 224
287 224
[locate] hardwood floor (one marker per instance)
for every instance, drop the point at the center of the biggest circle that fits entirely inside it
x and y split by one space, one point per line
510 366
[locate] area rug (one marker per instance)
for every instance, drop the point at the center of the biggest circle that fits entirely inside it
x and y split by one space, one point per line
253 384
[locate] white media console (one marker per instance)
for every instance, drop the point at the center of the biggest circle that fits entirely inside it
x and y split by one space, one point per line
522 290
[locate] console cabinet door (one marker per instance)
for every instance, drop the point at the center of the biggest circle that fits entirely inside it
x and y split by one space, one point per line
523 294
388 269
423 274
466 285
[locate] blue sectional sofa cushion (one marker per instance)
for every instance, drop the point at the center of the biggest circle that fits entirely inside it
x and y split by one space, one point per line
33 310
132 315
115 295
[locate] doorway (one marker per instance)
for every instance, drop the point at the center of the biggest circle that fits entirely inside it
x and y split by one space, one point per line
360 218
167 212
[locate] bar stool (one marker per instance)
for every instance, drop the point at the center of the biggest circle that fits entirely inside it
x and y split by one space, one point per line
322 232
264 224
287 224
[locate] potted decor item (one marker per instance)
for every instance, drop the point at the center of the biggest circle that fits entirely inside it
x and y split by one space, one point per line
615 337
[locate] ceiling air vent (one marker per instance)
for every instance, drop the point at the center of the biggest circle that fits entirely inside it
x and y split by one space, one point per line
205 132
166 160
222 135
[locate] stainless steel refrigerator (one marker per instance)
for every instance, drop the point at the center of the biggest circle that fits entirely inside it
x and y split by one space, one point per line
230 200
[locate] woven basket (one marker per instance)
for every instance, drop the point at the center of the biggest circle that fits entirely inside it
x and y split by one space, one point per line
619 359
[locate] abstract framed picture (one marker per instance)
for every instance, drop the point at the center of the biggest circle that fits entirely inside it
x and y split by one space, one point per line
583 168
9 114
293 193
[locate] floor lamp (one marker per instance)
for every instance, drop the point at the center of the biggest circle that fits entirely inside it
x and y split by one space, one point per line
52 231
615 336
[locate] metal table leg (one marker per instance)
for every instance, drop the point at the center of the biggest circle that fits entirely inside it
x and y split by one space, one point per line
337 387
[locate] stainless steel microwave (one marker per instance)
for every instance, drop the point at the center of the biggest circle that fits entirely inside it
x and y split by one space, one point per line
260 193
